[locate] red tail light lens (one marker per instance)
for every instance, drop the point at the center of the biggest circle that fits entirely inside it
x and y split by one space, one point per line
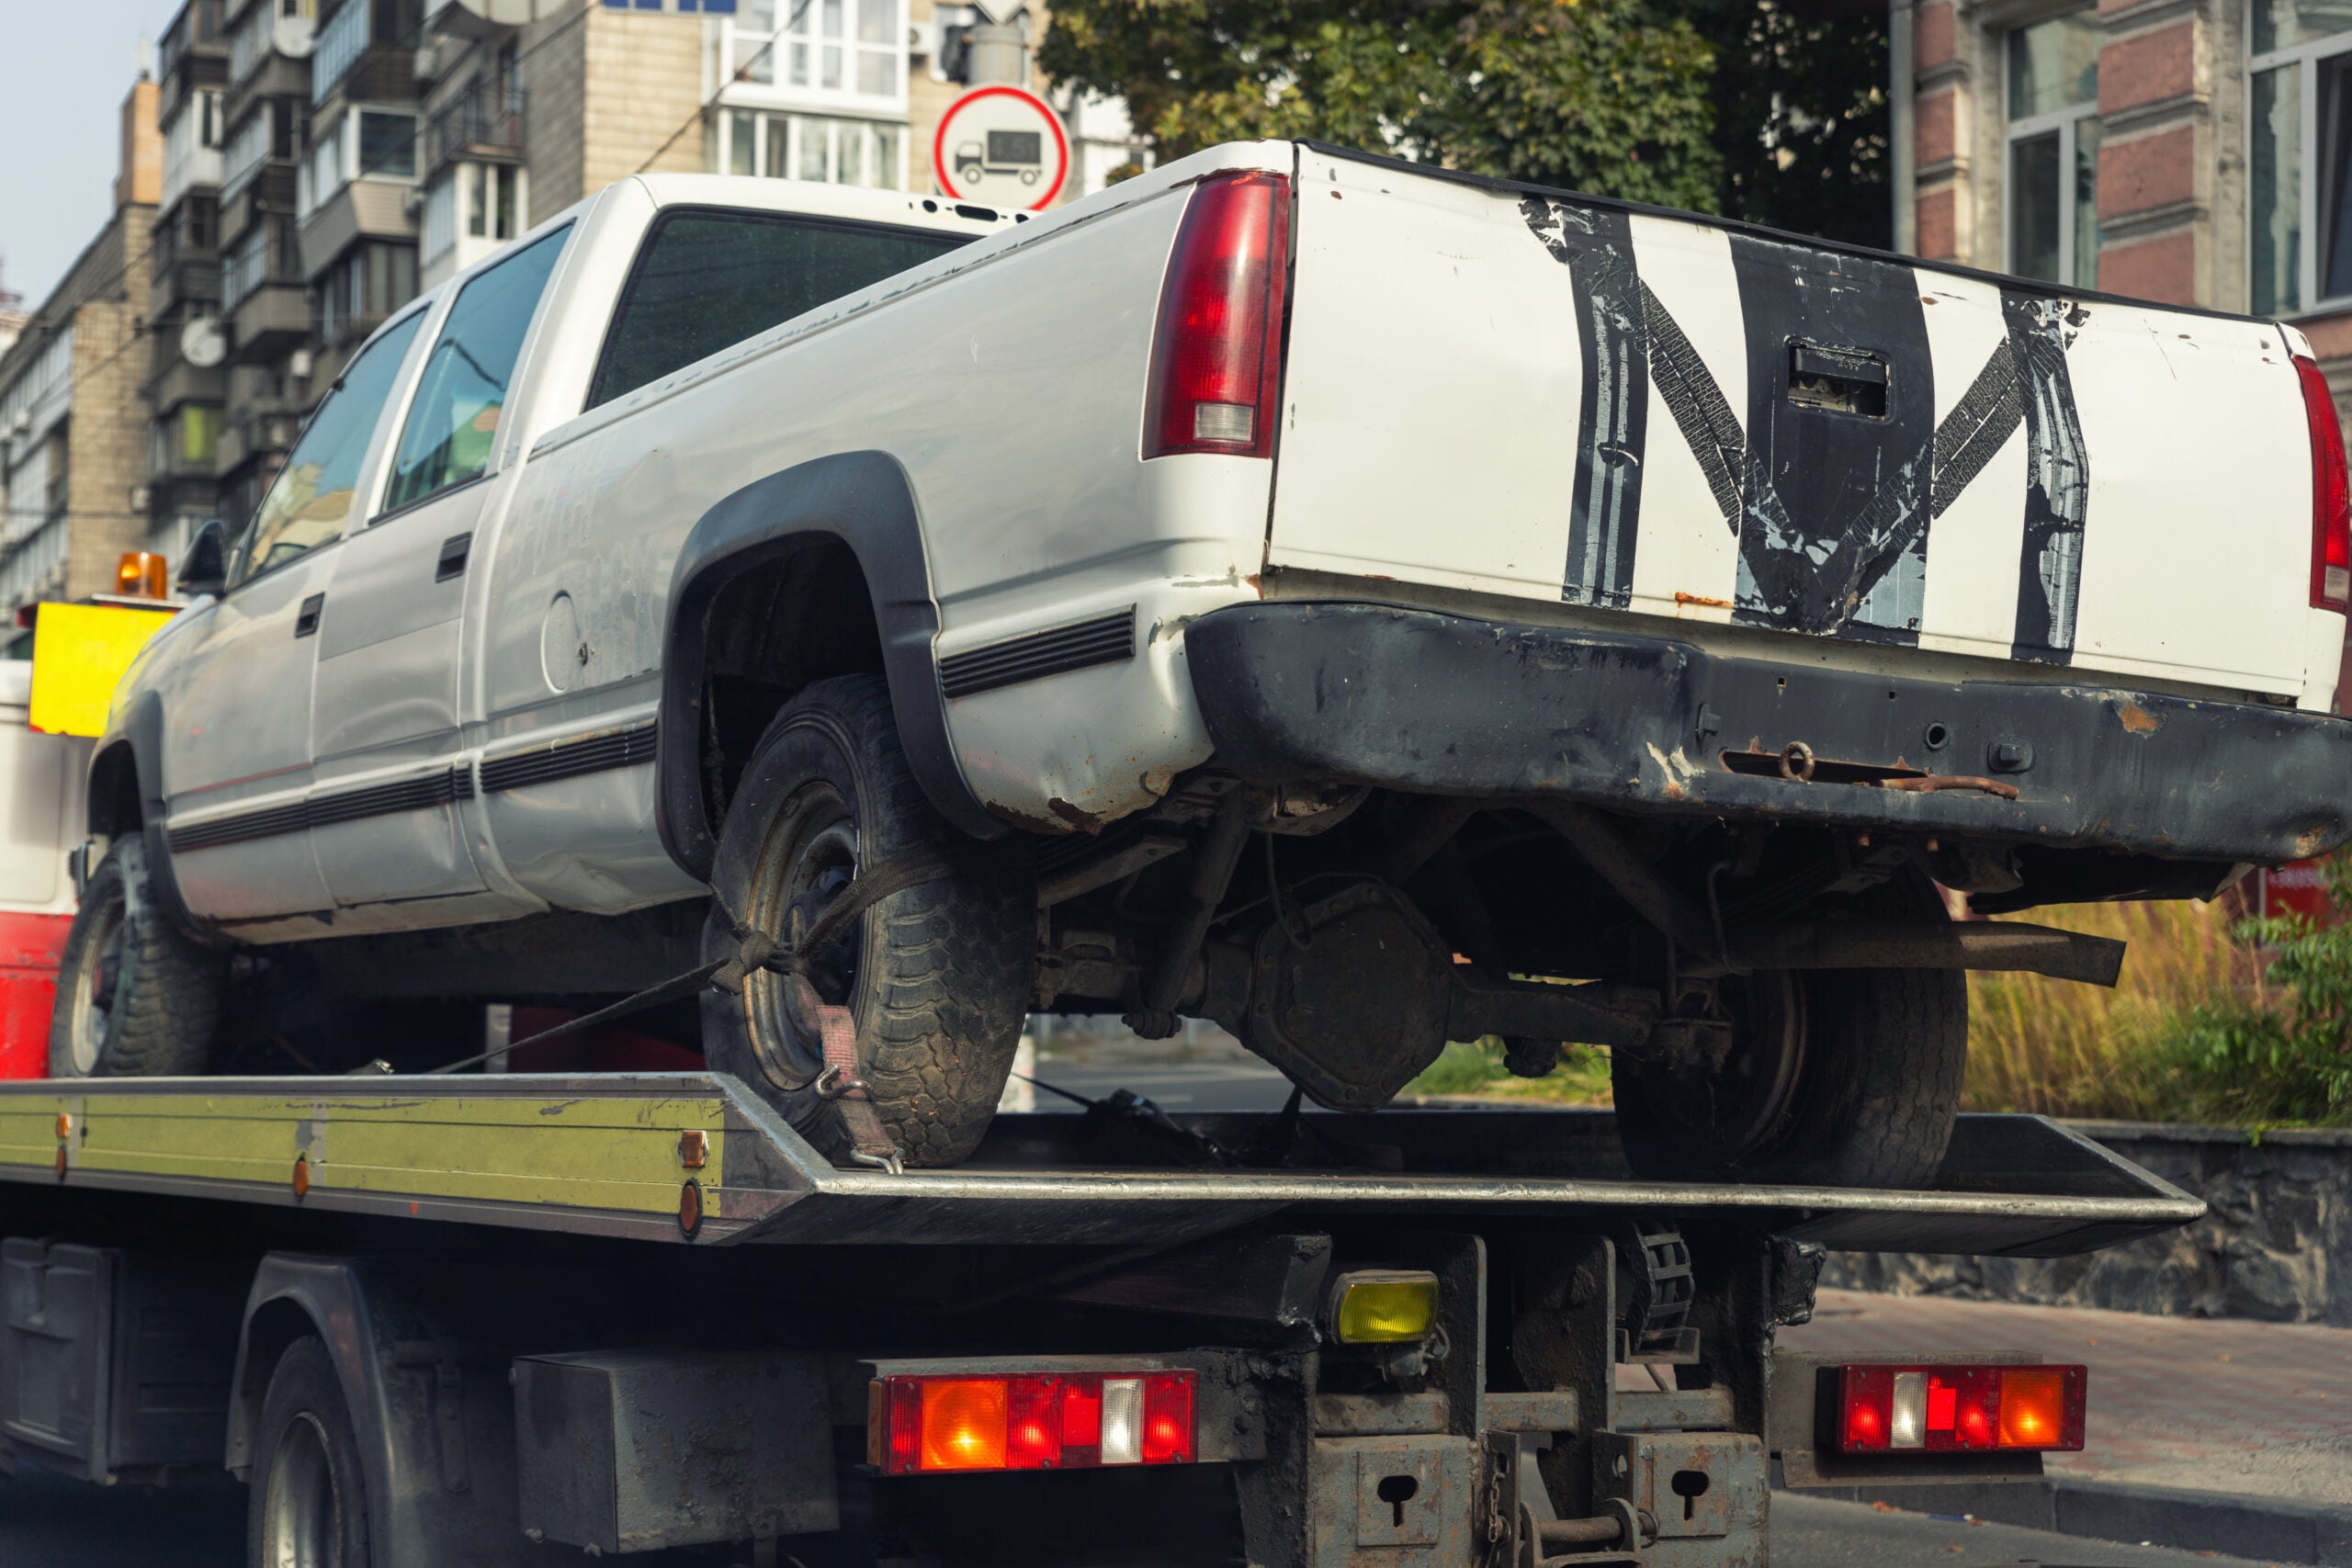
1216 358
1943 1409
2331 493
930 1425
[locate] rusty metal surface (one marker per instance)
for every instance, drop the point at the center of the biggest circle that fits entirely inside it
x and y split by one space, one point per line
1400 1502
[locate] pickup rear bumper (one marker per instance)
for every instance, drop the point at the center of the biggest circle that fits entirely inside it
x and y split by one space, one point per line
1448 704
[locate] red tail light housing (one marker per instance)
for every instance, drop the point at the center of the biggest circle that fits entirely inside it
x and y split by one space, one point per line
937 1425
2331 493
1947 1409
1216 354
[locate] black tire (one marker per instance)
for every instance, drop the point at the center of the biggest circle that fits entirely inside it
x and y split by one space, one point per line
307 1507
1867 1098
135 996
937 977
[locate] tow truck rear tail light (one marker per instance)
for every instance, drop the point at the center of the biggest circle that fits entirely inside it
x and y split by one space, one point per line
1944 1409
2331 493
934 1425
1216 356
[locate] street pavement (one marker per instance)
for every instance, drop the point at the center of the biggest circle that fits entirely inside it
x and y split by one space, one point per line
2220 1404
49 1523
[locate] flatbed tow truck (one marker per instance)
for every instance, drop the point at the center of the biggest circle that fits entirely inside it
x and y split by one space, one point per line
512 1318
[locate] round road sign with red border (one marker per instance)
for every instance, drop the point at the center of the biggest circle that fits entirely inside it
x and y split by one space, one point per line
1001 145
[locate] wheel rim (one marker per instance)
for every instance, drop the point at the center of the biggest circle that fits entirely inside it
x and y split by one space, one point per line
1738 1111
302 1512
98 986
809 856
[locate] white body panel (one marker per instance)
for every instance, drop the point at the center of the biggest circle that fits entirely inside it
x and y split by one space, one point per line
1436 382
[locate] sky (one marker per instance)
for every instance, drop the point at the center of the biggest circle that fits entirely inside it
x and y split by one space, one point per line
62 78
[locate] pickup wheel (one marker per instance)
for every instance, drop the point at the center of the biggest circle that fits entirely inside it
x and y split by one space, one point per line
135 998
1840 1077
936 977
307 1507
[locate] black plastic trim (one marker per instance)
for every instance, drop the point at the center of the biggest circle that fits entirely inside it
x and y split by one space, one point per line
142 731
1449 705
571 759
865 500
1104 640
443 788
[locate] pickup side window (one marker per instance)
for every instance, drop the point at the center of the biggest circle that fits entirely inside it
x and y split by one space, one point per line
710 277
453 423
311 500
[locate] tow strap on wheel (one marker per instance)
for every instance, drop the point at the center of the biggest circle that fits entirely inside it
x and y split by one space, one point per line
838 1082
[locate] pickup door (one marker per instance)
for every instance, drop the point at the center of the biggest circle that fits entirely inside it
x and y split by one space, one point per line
1572 403
390 769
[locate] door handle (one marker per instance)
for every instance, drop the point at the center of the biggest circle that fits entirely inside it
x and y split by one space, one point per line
453 557
305 620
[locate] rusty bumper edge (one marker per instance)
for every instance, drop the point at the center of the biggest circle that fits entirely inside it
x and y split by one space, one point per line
1449 705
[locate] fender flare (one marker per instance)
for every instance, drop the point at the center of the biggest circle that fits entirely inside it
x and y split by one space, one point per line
387 1340
141 731
865 500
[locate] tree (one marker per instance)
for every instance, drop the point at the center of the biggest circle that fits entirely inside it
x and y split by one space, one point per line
1608 97
1801 114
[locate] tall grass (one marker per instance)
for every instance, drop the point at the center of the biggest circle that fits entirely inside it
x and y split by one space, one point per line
2216 1019
2066 1049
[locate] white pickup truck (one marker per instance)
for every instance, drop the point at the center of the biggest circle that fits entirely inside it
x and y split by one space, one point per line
1359 603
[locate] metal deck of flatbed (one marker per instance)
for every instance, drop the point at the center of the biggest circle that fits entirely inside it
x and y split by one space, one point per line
610 1155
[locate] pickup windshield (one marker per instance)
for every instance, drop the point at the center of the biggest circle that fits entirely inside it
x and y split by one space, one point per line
709 278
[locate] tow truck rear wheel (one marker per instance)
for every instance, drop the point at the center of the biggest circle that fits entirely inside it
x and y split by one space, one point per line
1836 1078
936 977
307 1507
135 998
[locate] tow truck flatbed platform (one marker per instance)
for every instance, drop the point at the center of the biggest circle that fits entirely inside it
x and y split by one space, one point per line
697 1156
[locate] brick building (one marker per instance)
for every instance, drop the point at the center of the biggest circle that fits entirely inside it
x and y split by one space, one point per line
2194 152
74 408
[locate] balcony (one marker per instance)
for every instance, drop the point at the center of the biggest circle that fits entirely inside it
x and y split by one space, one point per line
485 127
187 279
273 320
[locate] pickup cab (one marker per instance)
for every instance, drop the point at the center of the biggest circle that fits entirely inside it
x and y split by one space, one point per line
1356 603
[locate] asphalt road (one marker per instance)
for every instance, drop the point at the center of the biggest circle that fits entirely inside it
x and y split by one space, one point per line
49 1523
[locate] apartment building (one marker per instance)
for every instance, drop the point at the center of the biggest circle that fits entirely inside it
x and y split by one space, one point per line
355 191
269 387
73 411
188 341
2194 152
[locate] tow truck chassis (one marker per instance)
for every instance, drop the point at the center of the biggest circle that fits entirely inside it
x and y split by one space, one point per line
628 1314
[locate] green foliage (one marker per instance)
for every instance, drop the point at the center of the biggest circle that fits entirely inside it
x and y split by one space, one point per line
2286 1057
1476 1068
1802 122
1609 96
2247 1024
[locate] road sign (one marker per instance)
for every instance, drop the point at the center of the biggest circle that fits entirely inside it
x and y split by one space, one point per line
1003 146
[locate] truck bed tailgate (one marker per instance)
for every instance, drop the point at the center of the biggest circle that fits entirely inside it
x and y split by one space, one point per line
1514 392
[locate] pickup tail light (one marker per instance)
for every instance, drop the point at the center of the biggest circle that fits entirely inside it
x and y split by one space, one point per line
938 1425
1216 354
2331 493
1947 1409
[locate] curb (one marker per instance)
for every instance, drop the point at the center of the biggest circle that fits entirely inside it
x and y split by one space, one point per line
2270 1529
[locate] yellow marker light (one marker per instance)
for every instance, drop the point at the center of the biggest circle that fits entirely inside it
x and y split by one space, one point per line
1372 1307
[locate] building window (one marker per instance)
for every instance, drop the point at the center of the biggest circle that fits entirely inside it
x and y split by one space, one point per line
2054 137
2298 135
367 285
802 48
359 143
811 147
